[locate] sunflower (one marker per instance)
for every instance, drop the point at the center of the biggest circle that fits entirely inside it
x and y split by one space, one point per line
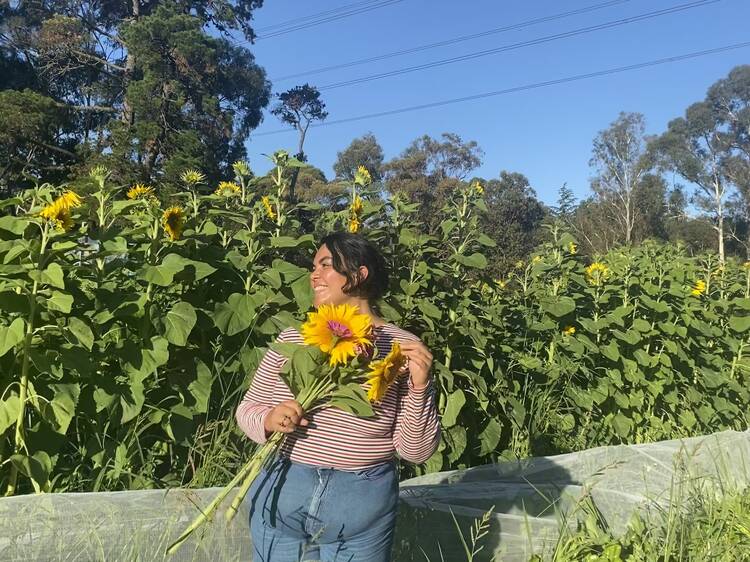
59 215
339 331
228 189
58 212
572 248
241 168
268 206
192 177
569 330
173 220
384 372
596 273
698 288
357 205
478 189
362 176
140 191
354 224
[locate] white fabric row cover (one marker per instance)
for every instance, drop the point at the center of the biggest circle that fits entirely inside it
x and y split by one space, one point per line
529 497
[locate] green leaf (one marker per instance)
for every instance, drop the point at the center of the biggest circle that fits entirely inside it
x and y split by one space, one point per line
560 307
485 240
37 468
687 418
81 332
642 357
9 409
429 309
16 250
197 269
16 225
12 335
161 275
236 315
739 324
53 275
179 424
179 323
610 351
200 388
490 437
457 441
60 301
353 399
60 410
622 425
475 260
289 242
132 398
455 402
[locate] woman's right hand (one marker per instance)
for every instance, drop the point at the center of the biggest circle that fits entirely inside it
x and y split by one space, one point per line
285 417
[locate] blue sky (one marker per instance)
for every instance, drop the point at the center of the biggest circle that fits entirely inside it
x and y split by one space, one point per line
545 133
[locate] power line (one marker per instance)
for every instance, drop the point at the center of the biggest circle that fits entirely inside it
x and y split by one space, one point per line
523 88
514 46
377 5
455 40
313 16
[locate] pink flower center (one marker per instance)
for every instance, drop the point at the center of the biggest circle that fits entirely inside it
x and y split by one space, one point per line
339 330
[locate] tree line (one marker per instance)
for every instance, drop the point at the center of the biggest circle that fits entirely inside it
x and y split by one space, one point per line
152 88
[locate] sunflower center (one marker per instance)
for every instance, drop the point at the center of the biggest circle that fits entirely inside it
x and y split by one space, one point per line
339 330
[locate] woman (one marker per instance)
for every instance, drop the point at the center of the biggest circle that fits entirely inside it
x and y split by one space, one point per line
332 492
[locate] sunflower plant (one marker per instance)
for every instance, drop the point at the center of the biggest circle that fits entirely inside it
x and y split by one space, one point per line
333 368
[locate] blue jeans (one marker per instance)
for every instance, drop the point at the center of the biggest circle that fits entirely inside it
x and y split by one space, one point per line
305 513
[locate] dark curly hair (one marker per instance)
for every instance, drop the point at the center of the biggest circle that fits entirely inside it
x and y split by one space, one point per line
349 252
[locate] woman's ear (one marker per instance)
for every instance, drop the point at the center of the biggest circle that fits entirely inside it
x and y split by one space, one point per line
362 274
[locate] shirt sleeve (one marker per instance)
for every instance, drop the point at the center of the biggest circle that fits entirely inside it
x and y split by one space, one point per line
258 400
417 432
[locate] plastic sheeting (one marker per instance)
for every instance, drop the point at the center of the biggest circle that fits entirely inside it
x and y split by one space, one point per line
528 496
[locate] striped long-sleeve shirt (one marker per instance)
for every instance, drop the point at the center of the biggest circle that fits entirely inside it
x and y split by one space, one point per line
405 423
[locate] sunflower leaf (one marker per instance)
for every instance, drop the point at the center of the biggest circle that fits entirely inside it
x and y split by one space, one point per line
352 398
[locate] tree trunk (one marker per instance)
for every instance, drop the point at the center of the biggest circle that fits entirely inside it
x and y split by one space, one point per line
128 115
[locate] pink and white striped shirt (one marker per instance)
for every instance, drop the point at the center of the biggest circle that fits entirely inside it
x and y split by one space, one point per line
405 423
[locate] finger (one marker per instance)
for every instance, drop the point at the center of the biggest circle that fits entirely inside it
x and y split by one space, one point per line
286 410
295 406
419 355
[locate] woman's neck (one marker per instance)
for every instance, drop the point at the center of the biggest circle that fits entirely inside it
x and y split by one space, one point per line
364 308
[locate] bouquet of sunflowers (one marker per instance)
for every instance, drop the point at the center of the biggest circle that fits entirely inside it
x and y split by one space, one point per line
327 371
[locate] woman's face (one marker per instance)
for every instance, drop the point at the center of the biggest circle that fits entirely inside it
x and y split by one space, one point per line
326 282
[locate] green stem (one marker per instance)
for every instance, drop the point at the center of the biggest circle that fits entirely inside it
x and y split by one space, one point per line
252 468
19 442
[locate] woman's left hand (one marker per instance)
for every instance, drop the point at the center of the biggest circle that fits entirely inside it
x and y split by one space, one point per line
419 362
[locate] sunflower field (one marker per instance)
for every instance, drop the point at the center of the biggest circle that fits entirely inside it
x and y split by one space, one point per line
132 322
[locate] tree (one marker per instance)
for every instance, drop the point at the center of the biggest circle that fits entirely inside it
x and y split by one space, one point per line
621 160
695 149
141 85
566 204
364 151
299 107
513 219
729 99
429 170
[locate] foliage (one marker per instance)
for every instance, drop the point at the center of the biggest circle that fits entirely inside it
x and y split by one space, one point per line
130 332
148 87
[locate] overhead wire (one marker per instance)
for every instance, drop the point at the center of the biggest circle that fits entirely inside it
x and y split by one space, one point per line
314 23
313 16
514 46
526 87
453 41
